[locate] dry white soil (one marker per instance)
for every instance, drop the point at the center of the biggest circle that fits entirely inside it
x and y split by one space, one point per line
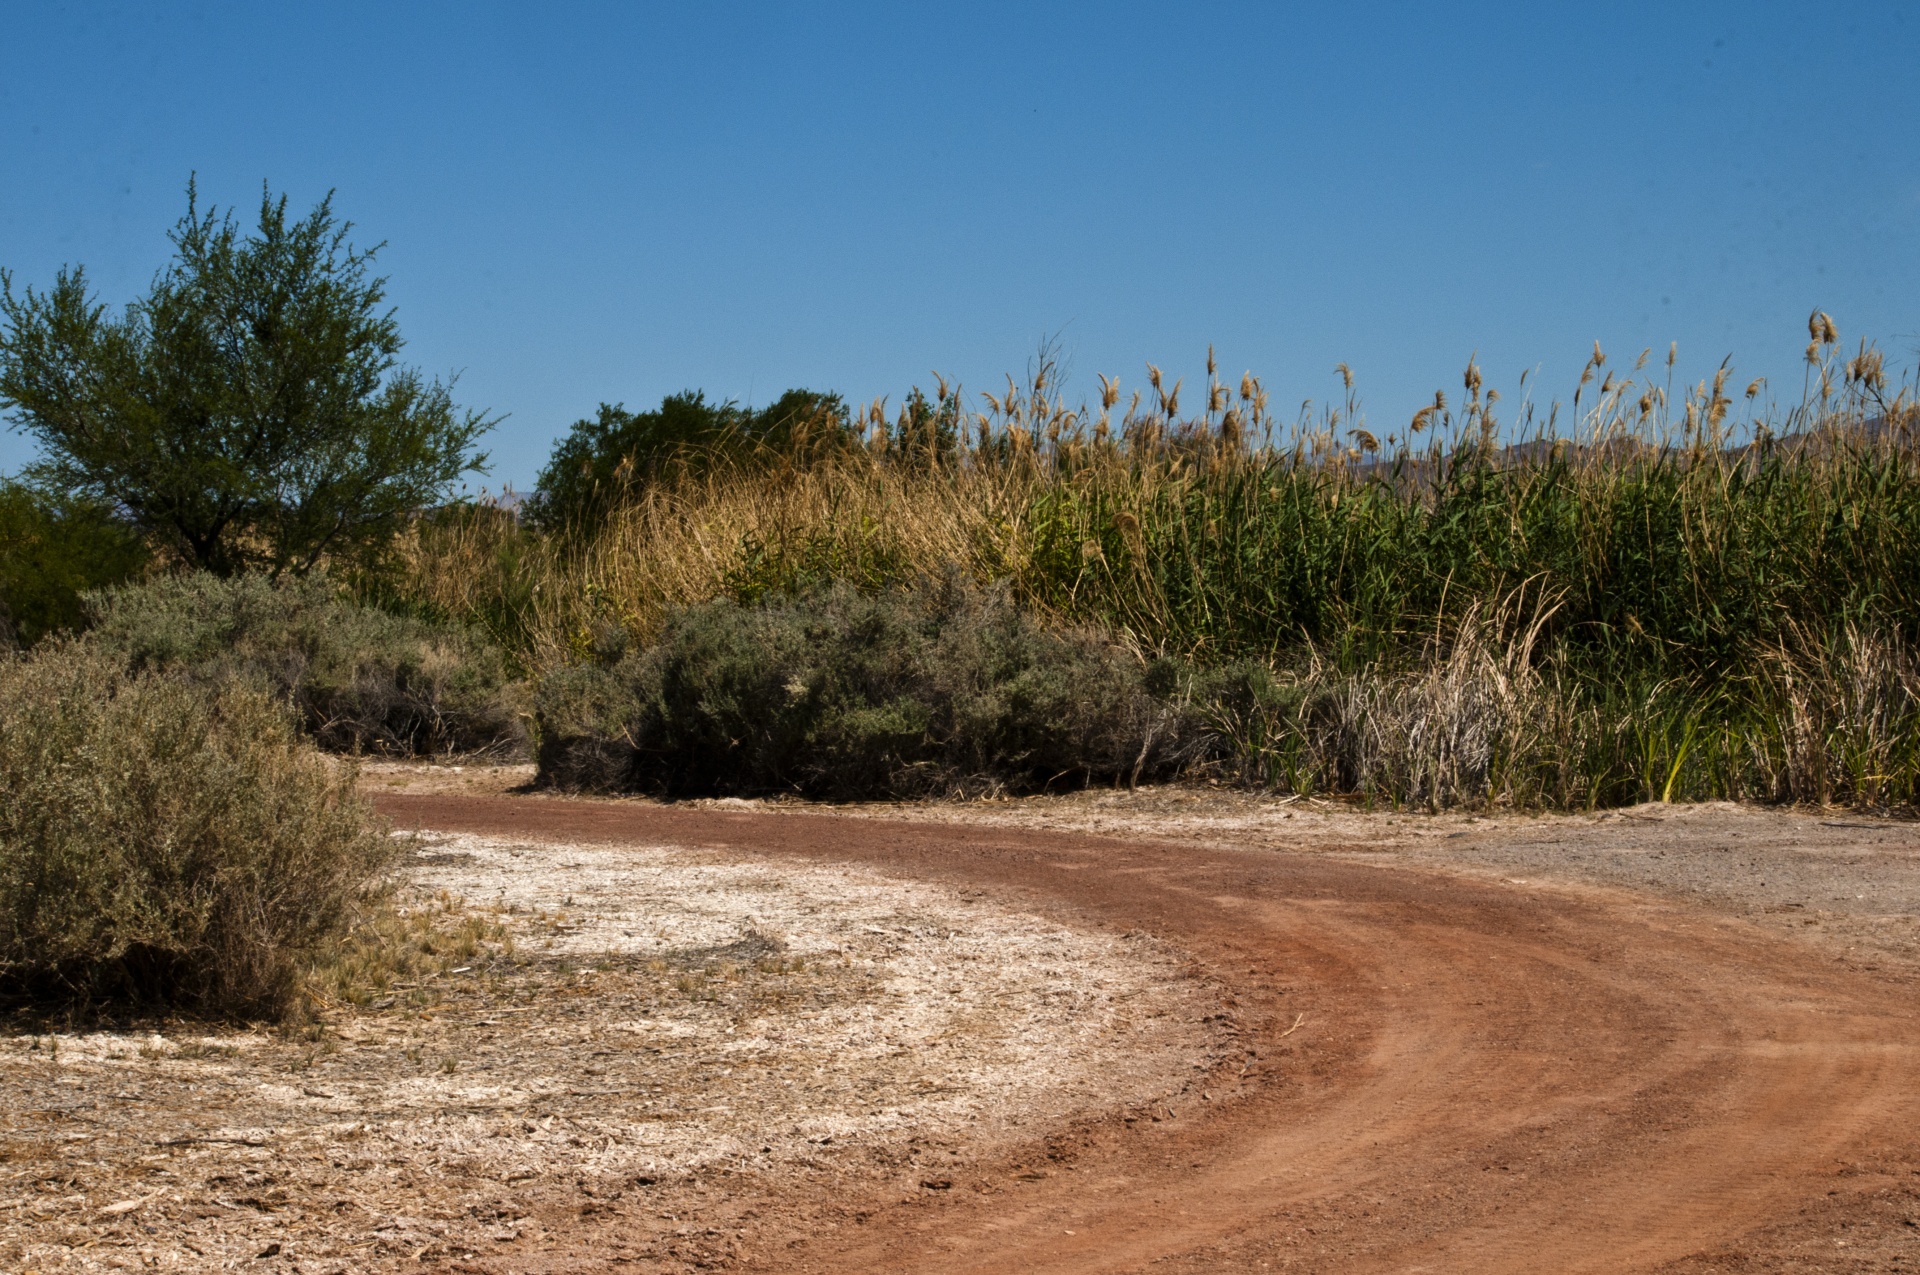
649 1032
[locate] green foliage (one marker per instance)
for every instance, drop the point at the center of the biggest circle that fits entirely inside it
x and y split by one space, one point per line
1479 722
249 411
53 548
601 462
164 842
487 556
1674 602
934 689
1664 563
358 677
927 433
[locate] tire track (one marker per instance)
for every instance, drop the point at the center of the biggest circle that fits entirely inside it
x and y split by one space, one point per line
1485 1078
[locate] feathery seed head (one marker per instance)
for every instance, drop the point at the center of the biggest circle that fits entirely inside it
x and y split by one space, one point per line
1866 369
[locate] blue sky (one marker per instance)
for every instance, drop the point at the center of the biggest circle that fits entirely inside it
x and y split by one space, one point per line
587 203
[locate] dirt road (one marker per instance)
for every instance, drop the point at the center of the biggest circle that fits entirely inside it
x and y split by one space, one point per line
1435 1072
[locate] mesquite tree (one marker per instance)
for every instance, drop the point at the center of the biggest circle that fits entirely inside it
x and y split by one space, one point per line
250 410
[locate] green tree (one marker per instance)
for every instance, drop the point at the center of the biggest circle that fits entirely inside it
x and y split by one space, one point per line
250 410
597 465
53 548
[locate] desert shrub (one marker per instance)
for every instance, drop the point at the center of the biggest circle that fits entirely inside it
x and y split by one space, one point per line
165 841
359 677
937 688
54 548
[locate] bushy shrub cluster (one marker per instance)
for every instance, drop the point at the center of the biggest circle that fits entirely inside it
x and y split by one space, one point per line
359 678
166 841
937 688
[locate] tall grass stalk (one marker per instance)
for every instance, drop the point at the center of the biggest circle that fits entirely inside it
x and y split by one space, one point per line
1670 593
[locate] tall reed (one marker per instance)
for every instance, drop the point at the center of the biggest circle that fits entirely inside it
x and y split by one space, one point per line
1671 593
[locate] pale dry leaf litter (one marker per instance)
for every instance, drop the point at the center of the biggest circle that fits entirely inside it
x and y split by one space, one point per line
663 1037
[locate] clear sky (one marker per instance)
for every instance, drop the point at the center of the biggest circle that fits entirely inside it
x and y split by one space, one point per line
587 203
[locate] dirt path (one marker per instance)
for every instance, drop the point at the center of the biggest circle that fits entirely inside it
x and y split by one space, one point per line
1435 1072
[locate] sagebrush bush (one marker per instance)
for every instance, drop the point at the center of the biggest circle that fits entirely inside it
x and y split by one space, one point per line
167 842
933 689
359 677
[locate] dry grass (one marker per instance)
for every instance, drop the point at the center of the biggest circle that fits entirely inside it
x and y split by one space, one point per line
397 950
1702 565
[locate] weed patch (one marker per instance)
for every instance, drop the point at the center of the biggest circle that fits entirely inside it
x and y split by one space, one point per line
1667 593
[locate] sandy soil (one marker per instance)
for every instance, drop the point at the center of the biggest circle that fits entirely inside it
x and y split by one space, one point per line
1678 1039
653 1038
1846 881
1835 877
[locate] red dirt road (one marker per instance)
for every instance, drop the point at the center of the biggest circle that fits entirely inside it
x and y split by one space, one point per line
1483 1077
